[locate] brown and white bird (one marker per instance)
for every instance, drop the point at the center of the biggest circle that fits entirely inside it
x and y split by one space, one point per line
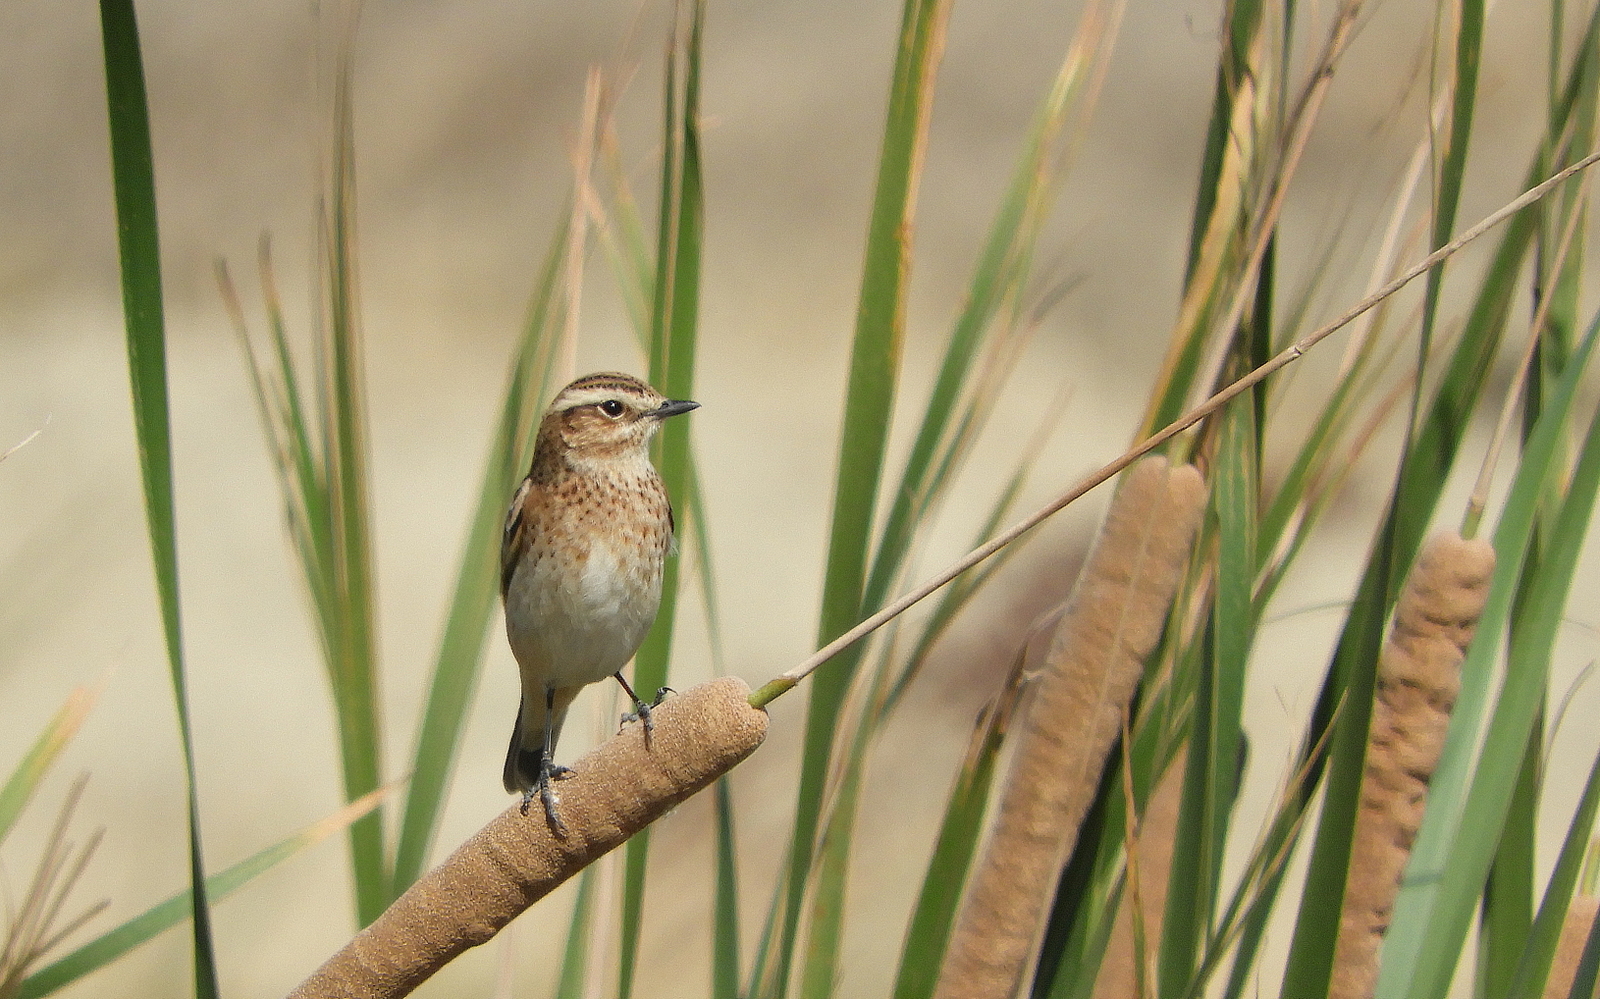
580 562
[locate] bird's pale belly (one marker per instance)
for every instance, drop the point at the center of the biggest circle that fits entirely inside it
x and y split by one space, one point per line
582 619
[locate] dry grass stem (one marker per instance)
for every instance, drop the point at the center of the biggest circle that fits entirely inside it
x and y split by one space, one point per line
1569 951
38 927
1418 679
1112 623
617 789
1149 868
786 681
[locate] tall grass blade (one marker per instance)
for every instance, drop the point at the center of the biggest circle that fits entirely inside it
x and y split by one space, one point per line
1212 779
983 345
139 246
1431 453
997 285
675 318
725 906
869 399
351 628
575 958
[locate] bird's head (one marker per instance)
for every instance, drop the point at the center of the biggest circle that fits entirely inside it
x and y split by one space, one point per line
608 415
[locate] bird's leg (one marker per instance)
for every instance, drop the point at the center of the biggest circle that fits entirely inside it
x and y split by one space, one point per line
548 771
641 710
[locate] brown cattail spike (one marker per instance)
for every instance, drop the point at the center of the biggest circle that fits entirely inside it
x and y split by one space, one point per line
1569 949
1419 676
515 860
1112 623
1145 894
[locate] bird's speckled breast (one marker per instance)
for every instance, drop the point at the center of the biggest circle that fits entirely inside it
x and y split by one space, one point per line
593 582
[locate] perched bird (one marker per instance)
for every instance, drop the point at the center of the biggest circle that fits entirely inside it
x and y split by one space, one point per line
580 562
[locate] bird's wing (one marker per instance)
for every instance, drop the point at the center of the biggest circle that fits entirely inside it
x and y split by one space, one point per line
514 538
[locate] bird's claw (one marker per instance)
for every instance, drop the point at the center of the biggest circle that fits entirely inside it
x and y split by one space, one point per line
641 710
547 796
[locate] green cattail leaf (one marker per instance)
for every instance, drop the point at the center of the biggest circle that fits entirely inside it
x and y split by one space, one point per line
675 318
139 246
869 400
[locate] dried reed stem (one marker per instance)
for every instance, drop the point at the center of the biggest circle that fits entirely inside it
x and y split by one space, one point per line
1419 676
1111 625
515 860
1569 950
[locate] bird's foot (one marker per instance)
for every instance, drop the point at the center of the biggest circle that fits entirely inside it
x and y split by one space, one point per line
547 796
641 710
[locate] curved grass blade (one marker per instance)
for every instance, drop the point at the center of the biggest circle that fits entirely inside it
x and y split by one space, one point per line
139 247
997 284
110 946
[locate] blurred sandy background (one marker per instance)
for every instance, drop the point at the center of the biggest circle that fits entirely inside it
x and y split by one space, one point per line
464 113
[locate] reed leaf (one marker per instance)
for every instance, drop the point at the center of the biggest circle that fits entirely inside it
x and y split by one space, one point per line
139 251
575 957
674 325
869 398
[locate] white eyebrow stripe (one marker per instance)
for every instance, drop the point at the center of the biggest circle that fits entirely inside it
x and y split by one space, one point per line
593 397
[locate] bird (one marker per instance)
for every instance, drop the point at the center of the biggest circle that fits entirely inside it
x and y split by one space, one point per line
580 563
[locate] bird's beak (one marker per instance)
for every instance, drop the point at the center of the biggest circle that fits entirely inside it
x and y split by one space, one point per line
673 407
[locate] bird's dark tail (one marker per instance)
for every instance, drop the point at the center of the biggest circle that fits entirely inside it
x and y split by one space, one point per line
525 755
521 772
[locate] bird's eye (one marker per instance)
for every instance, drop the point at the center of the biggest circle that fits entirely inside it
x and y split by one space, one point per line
612 408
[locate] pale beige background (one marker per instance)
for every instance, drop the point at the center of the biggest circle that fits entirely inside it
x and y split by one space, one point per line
464 113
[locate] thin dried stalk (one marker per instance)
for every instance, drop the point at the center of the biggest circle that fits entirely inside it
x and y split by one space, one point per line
1112 623
1569 950
515 860
38 927
1419 677
1149 869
